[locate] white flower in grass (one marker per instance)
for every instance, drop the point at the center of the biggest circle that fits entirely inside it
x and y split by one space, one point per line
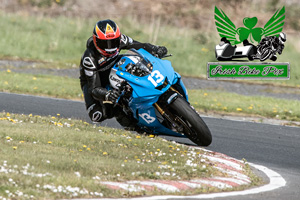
60 188
75 194
188 162
96 178
166 174
77 174
19 193
98 194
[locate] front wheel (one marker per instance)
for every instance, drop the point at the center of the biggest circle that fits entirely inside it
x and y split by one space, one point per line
193 125
265 54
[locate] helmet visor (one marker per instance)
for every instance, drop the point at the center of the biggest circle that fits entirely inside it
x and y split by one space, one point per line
108 44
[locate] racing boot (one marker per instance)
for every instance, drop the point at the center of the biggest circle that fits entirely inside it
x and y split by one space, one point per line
127 121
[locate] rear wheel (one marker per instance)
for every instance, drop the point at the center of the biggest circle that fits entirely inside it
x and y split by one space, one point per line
193 125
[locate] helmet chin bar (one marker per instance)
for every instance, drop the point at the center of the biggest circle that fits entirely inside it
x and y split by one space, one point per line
111 50
111 53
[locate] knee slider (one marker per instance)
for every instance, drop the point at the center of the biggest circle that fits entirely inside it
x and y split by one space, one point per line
95 113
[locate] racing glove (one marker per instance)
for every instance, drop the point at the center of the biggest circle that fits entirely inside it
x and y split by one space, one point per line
159 51
112 95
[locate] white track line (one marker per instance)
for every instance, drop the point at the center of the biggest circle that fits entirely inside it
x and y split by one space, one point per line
276 181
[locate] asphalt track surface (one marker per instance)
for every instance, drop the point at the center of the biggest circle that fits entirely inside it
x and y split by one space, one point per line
273 146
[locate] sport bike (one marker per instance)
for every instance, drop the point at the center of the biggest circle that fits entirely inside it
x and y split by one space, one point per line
154 94
266 52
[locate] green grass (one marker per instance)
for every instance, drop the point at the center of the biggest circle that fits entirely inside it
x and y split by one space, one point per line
231 103
45 85
38 38
62 40
40 154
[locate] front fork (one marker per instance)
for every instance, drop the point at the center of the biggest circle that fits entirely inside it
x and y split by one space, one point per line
167 116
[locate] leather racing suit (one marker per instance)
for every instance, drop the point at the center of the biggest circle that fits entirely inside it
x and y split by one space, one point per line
94 77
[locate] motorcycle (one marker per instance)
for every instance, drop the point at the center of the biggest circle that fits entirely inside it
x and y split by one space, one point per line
266 52
154 94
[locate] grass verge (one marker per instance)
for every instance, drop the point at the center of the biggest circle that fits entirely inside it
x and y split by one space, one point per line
55 158
231 103
44 85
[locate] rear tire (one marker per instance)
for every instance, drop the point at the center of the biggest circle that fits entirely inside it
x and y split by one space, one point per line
198 131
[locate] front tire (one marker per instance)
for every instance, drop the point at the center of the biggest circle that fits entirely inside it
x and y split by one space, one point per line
265 55
195 128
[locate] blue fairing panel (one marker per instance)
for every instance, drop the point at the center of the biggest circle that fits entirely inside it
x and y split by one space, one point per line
148 88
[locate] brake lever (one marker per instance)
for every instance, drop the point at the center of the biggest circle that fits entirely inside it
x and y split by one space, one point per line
169 55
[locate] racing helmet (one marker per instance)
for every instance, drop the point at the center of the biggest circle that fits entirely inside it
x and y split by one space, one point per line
282 37
106 37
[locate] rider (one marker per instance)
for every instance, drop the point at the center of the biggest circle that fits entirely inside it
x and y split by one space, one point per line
273 41
101 52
